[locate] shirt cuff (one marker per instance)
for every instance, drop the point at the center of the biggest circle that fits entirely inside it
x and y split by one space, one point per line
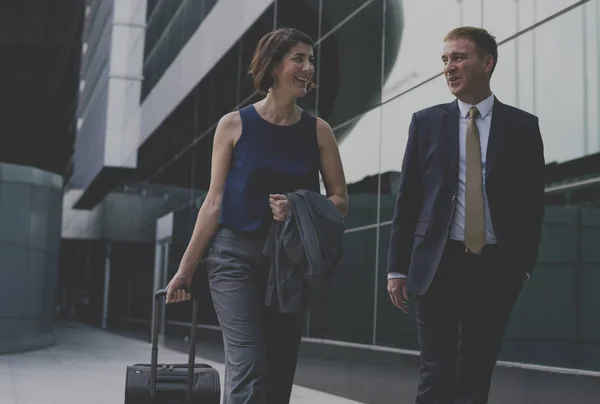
395 275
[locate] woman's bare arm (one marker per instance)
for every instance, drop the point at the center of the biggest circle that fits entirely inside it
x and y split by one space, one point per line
332 169
227 131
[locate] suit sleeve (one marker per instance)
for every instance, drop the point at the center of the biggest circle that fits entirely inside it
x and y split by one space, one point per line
407 208
532 197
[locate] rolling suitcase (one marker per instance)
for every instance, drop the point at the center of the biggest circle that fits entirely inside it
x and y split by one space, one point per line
189 383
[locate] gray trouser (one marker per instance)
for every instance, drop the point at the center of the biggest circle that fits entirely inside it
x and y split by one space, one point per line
261 345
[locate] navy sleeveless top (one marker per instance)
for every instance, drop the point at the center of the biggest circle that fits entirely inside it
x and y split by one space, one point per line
268 159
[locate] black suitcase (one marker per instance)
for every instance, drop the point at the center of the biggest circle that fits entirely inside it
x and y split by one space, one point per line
172 383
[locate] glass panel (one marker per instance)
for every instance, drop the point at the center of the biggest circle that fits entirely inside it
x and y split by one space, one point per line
394 328
525 14
542 326
349 87
249 41
150 8
142 275
416 57
335 12
225 83
159 20
551 84
547 8
589 301
208 6
500 18
591 38
471 12
345 311
170 27
359 147
302 15
505 84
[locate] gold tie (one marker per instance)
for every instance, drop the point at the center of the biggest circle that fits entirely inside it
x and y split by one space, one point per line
474 221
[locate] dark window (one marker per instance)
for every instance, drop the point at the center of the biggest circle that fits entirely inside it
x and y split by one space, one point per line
350 67
224 80
158 21
150 6
263 25
302 15
170 26
334 12
345 312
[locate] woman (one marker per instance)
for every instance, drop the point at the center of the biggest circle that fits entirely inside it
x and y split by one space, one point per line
260 152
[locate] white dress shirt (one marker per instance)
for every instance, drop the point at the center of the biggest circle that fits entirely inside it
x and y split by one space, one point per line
484 121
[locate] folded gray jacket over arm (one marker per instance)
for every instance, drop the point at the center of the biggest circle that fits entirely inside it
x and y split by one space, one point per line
305 250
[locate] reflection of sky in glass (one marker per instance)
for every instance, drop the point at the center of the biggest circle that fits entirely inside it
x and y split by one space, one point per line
530 75
360 149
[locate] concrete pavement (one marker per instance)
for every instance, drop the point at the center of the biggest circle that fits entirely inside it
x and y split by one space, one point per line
87 365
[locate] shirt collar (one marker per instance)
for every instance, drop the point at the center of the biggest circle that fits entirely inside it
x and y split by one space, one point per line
484 107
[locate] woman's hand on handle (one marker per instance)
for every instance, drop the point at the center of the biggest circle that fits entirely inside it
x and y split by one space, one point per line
175 289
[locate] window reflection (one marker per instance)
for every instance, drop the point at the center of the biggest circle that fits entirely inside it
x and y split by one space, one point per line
345 312
505 84
393 328
263 25
360 156
349 86
170 26
302 15
561 79
547 8
470 12
500 18
418 57
335 12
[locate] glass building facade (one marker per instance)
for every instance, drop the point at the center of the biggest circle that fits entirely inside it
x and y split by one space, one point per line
169 25
377 62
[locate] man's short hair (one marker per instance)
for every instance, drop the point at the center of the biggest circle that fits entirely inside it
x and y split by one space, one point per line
485 43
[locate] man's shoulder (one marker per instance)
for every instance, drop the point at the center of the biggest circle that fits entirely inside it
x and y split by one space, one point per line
518 112
433 110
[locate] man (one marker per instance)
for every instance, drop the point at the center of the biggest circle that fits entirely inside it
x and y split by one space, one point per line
467 222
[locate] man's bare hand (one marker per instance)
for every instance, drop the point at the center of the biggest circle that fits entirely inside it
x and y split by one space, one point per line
398 293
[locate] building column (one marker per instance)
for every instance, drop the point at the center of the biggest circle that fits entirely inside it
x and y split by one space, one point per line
106 285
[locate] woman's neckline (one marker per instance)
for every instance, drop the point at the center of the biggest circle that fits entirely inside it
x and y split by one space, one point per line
275 124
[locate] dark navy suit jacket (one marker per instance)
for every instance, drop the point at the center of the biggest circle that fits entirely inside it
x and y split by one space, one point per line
426 198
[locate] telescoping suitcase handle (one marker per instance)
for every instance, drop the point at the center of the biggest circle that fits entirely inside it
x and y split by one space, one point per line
192 351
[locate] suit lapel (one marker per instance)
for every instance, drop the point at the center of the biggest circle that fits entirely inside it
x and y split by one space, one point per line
498 132
450 133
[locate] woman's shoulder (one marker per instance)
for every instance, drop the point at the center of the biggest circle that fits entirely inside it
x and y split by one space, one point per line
232 118
230 123
322 125
229 126
323 128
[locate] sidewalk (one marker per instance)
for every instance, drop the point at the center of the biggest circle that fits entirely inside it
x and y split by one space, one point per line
87 365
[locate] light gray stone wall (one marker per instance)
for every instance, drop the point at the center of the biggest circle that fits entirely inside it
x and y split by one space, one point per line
30 231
